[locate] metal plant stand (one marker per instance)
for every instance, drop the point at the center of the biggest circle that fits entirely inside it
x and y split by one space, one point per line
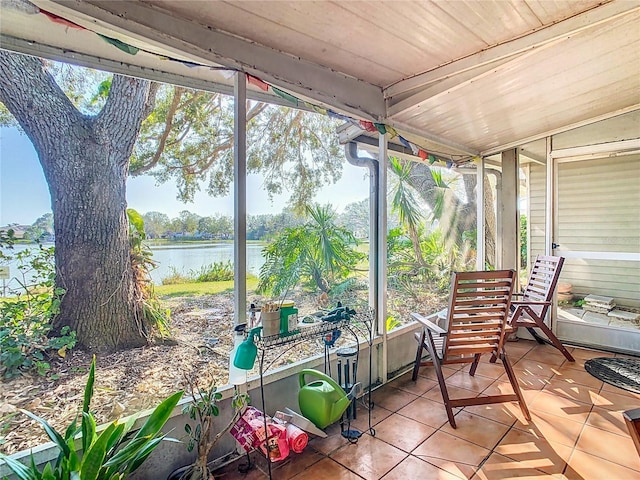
357 323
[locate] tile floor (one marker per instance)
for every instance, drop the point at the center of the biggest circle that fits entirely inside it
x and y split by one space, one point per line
576 431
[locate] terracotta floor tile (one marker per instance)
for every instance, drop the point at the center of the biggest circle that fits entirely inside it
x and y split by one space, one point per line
477 429
435 394
499 467
413 468
430 373
610 446
534 452
505 413
487 369
613 389
420 386
583 466
528 380
560 407
362 417
546 354
608 420
402 432
425 411
615 400
451 453
327 469
332 442
294 464
371 458
586 354
520 348
581 377
552 428
462 379
577 365
534 367
573 391
392 399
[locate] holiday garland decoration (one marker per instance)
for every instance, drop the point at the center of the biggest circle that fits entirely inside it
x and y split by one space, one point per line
368 126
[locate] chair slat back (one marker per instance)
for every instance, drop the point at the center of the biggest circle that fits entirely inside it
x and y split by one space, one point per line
478 311
542 282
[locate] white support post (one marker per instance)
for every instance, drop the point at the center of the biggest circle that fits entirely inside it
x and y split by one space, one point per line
480 227
382 252
509 208
240 198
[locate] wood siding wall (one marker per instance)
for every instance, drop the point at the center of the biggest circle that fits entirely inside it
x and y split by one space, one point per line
598 211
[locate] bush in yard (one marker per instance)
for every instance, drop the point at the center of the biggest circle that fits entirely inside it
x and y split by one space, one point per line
26 340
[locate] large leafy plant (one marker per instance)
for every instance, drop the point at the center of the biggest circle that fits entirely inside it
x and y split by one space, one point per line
111 454
319 254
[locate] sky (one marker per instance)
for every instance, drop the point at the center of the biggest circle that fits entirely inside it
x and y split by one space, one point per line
24 195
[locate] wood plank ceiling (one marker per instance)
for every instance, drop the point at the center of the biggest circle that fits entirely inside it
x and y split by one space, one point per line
471 76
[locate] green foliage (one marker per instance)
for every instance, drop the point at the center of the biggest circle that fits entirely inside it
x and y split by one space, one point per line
26 340
318 254
188 138
213 272
392 323
523 241
112 454
142 263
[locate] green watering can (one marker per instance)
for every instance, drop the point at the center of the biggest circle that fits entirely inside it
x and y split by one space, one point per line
323 401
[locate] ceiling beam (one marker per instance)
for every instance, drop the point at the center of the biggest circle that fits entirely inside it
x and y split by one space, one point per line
552 33
58 54
157 26
555 131
450 144
396 106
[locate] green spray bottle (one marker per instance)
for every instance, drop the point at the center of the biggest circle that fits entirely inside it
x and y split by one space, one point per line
247 351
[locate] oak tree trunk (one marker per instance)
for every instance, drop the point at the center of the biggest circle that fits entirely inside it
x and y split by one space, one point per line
85 162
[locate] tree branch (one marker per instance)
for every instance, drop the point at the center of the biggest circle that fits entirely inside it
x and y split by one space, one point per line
34 98
177 96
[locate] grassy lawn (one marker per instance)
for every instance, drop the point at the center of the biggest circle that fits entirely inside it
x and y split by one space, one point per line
201 288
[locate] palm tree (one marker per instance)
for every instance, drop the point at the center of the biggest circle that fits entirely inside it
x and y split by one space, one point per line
404 203
319 253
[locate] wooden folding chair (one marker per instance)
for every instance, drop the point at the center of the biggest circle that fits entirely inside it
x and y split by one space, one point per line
531 310
476 323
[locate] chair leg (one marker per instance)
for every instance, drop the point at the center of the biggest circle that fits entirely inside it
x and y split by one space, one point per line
537 337
431 347
514 384
554 340
474 365
416 366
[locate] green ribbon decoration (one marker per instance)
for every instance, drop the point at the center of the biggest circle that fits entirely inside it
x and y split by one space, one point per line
288 97
120 45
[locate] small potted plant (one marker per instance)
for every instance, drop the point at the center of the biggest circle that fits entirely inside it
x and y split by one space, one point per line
202 409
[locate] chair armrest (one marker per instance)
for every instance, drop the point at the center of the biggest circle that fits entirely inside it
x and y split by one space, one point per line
526 302
427 323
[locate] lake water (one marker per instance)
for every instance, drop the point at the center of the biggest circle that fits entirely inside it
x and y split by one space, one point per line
180 257
184 258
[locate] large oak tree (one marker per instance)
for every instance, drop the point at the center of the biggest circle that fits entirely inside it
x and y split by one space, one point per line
141 127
